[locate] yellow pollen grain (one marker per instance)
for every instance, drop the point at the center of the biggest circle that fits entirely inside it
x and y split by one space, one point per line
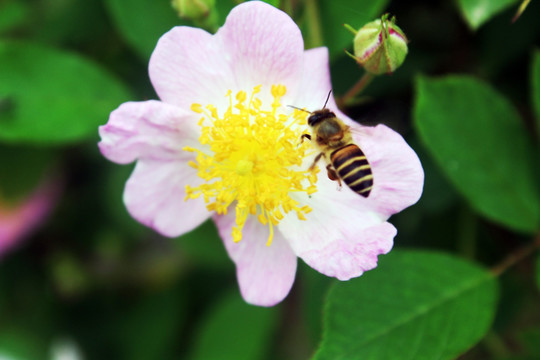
252 159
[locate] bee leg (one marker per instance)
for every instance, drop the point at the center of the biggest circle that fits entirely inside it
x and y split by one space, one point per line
317 158
332 174
304 136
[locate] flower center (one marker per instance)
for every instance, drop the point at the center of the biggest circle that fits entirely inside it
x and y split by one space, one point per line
253 157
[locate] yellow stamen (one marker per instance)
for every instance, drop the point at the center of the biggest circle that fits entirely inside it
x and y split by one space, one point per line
252 157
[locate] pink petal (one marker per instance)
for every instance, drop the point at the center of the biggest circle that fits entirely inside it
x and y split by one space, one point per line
351 253
345 232
265 273
258 45
190 66
148 130
155 193
340 237
263 46
315 83
18 222
398 176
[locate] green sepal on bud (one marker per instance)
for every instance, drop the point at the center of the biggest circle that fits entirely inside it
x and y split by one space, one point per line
380 46
193 9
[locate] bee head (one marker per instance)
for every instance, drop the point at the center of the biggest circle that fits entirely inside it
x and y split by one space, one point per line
319 115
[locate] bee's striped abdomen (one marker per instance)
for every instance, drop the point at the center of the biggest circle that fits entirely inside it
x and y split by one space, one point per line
353 168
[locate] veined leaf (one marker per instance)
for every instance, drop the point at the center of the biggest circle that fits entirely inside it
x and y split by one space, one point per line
478 140
48 96
415 305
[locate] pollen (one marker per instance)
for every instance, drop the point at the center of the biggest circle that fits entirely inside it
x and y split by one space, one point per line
251 158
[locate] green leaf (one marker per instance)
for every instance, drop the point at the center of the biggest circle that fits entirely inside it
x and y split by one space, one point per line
235 330
315 290
535 75
142 22
477 138
13 13
274 3
477 12
48 96
19 344
530 339
81 23
333 14
415 305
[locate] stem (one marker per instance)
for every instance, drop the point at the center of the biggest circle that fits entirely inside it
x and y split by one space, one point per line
496 346
360 85
516 256
520 10
315 37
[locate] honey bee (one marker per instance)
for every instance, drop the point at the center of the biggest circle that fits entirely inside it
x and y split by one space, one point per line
345 160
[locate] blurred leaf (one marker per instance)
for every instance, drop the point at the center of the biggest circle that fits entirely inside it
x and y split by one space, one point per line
224 7
75 22
477 138
148 328
535 75
314 290
22 169
12 13
274 3
16 344
415 305
56 97
531 339
235 330
477 12
333 14
142 22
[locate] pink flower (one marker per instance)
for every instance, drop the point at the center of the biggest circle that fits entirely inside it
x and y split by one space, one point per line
223 143
17 221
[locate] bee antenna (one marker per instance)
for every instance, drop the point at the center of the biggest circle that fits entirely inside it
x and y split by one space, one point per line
327 98
297 108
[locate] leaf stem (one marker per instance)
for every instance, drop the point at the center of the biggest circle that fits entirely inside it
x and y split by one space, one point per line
516 256
357 88
315 37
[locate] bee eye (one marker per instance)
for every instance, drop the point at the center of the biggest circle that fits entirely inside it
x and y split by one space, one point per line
314 119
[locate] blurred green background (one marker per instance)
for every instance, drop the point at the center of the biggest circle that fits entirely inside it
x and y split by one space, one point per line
91 283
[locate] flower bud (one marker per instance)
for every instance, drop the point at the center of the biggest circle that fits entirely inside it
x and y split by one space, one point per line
379 46
193 9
